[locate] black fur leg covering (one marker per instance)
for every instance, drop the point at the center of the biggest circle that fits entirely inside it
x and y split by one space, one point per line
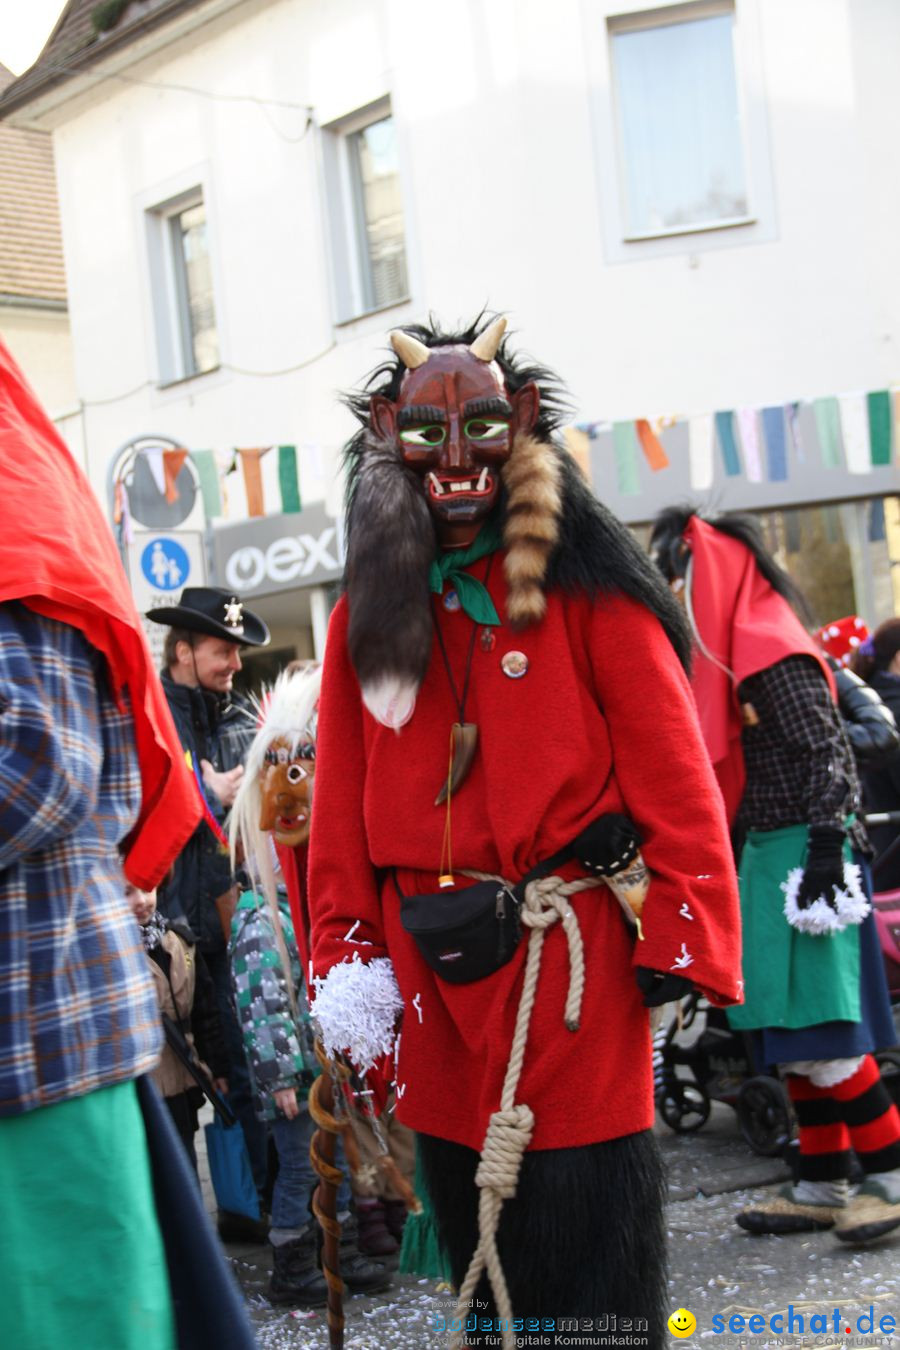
584 1236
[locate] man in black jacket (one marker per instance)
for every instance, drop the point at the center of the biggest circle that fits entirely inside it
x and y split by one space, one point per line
207 629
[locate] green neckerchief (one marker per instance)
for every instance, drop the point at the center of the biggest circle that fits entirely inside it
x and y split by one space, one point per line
473 596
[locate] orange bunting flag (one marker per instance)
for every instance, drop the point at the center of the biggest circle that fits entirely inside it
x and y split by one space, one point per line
172 462
654 454
253 485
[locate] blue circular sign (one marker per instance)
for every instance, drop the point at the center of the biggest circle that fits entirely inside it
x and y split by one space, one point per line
165 564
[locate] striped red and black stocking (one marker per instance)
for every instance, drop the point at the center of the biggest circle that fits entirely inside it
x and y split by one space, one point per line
824 1135
871 1117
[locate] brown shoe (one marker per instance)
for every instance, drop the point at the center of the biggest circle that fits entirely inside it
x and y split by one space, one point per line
870 1215
784 1214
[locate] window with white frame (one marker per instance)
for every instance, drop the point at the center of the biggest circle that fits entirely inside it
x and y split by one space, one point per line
681 151
365 207
182 284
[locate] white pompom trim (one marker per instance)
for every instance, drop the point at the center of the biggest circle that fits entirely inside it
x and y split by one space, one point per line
357 1005
851 904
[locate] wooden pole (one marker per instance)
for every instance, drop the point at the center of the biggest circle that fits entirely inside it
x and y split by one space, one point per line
321 1153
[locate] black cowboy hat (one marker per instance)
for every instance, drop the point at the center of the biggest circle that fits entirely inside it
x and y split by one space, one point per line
217 613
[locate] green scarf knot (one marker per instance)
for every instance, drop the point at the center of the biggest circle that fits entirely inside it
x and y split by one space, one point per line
473 596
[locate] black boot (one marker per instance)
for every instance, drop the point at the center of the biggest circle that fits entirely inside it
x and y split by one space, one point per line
296 1278
360 1275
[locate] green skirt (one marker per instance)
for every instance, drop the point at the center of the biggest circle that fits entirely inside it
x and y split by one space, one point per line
791 979
81 1258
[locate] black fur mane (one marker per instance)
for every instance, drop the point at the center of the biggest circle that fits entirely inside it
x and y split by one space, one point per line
597 554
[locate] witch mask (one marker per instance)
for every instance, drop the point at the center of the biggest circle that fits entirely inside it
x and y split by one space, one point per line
286 789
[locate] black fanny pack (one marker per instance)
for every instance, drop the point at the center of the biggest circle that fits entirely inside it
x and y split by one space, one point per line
468 935
464 935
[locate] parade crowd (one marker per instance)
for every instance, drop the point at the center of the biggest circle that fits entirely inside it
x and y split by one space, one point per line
541 783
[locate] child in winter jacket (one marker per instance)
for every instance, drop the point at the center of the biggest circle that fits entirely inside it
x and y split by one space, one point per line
186 995
271 1008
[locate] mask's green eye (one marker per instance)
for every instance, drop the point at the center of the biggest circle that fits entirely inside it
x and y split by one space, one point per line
424 436
480 429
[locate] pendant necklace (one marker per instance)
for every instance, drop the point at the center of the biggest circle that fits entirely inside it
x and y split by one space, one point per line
463 742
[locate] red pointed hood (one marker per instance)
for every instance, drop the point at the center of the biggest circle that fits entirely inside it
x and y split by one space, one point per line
744 626
58 557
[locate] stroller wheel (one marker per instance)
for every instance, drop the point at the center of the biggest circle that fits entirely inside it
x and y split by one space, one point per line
764 1115
683 1106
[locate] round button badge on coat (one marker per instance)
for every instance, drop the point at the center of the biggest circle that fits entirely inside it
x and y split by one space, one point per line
514 664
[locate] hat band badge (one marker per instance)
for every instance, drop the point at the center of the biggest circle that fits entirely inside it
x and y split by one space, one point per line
234 616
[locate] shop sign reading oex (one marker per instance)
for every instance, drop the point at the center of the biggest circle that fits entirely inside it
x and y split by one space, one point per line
278 553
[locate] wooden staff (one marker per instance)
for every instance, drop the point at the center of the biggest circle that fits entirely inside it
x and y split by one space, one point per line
321 1153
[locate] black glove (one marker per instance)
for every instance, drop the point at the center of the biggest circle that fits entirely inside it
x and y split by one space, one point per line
658 988
824 870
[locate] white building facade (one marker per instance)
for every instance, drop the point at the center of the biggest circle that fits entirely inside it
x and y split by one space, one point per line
687 210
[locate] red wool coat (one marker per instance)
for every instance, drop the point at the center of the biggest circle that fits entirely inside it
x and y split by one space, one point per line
602 721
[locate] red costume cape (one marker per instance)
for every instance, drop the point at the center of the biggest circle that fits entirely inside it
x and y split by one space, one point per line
603 720
746 626
58 557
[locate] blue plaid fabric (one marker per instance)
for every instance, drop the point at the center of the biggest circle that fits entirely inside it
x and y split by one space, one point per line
77 1006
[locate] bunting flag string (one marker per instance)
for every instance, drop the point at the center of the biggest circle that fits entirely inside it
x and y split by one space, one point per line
859 432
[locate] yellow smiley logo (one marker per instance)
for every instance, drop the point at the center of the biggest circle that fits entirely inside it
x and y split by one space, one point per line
682 1323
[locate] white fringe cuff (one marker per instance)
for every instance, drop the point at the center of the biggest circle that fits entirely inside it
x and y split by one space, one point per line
357 1006
851 904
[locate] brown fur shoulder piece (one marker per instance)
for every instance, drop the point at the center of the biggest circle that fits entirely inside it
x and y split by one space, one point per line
534 503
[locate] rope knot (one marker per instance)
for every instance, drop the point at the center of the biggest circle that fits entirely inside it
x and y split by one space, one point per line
508 1136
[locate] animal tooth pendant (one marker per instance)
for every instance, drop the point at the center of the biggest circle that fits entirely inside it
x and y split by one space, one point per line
465 743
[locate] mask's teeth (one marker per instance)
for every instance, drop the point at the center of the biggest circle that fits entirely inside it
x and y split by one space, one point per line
436 483
482 482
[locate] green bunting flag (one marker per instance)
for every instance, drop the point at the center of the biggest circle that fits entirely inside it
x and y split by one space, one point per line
828 425
625 446
879 427
208 473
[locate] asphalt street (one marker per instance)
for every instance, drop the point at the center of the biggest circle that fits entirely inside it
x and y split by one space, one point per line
714 1269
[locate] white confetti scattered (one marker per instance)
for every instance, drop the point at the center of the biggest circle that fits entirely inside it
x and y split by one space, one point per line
417 1004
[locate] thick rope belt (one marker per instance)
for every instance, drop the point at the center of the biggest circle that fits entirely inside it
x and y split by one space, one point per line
511 1127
